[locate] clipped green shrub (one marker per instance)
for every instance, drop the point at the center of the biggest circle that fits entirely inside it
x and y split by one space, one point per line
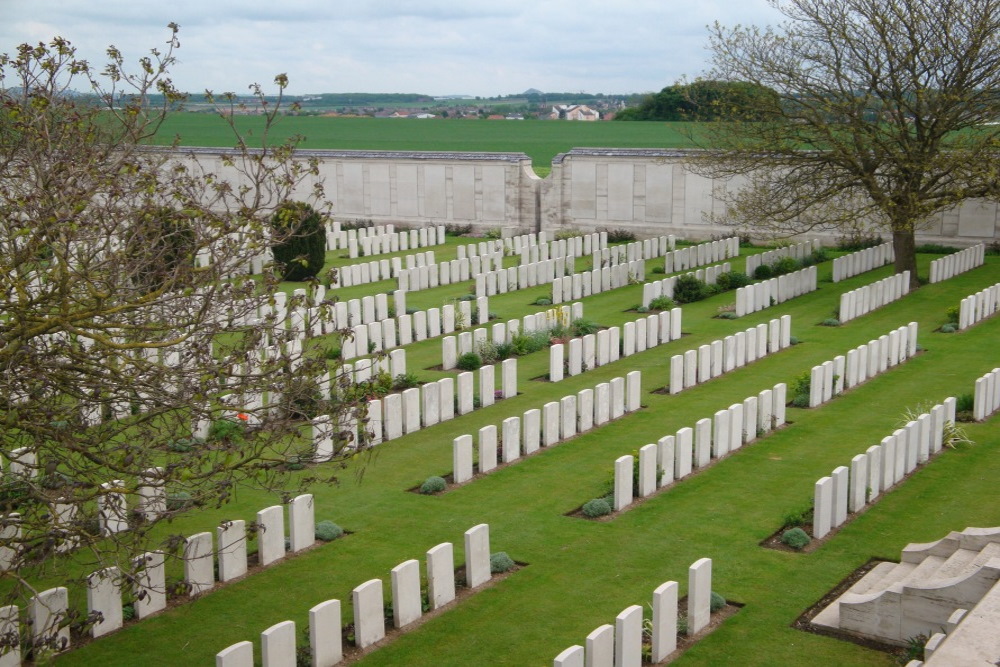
226 430
501 562
796 538
582 327
332 352
830 322
953 314
726 315
688 289
328 531
301 250
661 303
620 236
763 272
542 301
658 269
641 309
596 507
949 328
800 401
716 602
793 340
433 484
294 463
785 265
935 249
731 280
964 403
469 361
183 445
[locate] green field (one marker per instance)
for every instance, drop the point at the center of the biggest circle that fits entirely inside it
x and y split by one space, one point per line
580 573
541 140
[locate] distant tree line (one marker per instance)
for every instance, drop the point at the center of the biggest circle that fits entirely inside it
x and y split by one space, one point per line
701 100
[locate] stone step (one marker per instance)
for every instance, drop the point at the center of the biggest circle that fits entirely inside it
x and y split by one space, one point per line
975 641
896 574
956 564
876 574
921 574
989 551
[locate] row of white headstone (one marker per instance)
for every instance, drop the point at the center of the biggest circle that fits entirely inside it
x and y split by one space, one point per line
796 251
278 642
371 241
598 280
380 269
523 276
396 415
577 246
721 356
767 293
665 287
950 266
49 609
556 421
621 645
832 378
634 250
448 272
879 468
862 261
692 257
677 456
593 350
520 244
408 328
863 300
979 306
986 399
453 347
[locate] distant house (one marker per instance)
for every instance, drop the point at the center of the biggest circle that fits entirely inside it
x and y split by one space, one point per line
574 112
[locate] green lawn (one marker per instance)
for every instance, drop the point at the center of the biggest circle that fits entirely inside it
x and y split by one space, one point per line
541 140
582 573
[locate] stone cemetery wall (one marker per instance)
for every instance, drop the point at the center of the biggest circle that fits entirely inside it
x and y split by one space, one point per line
986 398
767 293
721 356
796 251
832 378
607 346
869 259
950 266
849 490
278 643
674 457
621 644
870 297
555 422
979 306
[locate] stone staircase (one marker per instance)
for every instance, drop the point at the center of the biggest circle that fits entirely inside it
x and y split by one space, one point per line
897 601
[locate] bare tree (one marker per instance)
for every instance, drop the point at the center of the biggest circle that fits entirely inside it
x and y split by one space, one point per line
128 320
885 116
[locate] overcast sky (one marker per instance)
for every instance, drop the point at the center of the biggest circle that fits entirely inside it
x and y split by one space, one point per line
437 47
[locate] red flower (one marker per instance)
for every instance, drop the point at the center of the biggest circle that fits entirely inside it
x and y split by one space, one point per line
243 416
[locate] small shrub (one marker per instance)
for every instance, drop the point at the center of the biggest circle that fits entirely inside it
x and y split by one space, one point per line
793 340
620 236
596 507
226 430
661 303
328 531
183 445
830 322
948 328
404 381
953 314
658 269
727 315
785 265
469 361
763 272
688 289
682 625
964 403
641 309
796 538
731 280
802 383
179 501
433 485
542 301
582 327
716 602
493 233
858 240
128 612
501 562
800 401
815 257
567 234
799 517
935 249
294 463
332 352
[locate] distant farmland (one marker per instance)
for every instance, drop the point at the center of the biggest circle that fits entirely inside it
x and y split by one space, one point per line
540 139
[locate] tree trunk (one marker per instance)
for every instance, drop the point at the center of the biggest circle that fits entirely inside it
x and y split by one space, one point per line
904 246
